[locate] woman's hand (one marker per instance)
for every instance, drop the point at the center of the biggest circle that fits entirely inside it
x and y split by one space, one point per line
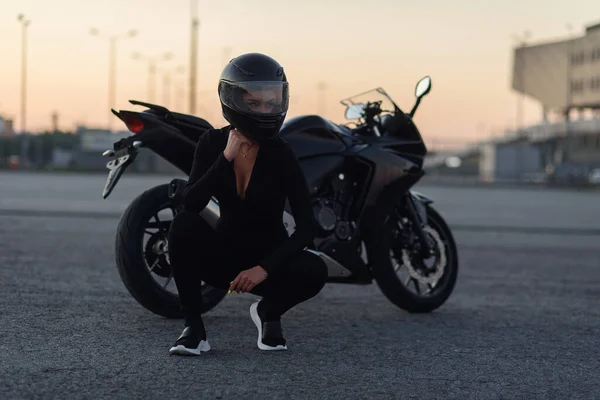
248 279
234 143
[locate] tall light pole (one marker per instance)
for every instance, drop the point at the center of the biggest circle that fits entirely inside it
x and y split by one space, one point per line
226 53
24 24
167 75
569 71
112 67
193 55
152 62
179 97
321 87
522 42
564 153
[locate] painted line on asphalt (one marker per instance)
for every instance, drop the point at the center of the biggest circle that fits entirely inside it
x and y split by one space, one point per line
540 230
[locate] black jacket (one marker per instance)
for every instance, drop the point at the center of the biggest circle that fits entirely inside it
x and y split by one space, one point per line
257 219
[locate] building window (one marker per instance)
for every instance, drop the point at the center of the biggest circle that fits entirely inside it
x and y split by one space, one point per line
595 84
578 58
584 141
595 55
577 86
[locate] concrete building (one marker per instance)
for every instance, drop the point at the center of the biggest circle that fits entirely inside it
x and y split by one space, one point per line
510 161
564 76
6 128
93 142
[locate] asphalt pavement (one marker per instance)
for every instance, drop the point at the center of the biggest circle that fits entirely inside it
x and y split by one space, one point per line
523 322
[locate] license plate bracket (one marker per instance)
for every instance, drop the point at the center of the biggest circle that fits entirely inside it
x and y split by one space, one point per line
116 168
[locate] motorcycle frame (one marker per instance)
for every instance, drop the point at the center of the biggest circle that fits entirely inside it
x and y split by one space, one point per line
395 165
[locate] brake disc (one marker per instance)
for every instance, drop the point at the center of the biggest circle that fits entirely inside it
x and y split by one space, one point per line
440 260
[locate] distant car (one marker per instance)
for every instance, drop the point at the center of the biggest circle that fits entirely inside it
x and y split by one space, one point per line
594 177
569 174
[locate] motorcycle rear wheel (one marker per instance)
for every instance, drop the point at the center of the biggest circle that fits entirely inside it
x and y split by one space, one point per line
137 262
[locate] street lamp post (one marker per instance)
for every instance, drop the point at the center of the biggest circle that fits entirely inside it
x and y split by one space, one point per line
179 97
193 56
321 88
522 42
226 54
24 24
564 153
152 62
112 67
167 79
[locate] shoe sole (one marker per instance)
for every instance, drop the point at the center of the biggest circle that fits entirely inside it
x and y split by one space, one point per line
256 320
181 350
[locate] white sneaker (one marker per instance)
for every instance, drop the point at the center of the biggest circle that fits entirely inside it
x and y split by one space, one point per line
190 343
270 334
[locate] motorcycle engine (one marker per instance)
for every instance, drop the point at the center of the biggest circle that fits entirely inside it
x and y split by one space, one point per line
330 209
325 215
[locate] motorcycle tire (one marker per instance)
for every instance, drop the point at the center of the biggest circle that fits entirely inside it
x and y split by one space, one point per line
389 282
132 268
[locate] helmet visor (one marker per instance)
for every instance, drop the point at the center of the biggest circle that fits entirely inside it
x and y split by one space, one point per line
257 98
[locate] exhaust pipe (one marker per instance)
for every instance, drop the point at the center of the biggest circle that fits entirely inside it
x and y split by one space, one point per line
211 213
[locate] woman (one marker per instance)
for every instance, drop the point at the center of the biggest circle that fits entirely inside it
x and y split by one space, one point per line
251 171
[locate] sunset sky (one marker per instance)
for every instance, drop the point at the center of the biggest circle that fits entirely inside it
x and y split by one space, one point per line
353 45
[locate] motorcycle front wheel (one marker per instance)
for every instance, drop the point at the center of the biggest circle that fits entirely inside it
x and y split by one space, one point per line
142 255
405 278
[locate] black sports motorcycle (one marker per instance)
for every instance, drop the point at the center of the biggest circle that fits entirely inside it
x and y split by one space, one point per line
371 225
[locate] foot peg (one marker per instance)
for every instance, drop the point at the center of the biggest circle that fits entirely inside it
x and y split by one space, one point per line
176 187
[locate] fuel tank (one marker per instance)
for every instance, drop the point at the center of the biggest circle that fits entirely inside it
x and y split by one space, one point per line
311 135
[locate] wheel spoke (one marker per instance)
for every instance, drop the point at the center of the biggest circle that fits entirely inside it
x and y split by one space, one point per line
416 285
168 280
154 264
162 226
156 248
429 288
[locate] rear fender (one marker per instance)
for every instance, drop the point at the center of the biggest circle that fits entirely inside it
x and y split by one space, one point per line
159 137
153 129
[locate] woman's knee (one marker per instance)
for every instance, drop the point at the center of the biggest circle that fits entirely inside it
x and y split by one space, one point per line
186 223
309 268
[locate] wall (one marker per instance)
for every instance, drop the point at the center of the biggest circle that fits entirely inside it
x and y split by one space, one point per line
543 72
509 161
487 162
585 149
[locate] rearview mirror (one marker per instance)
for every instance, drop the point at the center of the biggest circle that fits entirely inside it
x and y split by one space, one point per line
355 111
423 87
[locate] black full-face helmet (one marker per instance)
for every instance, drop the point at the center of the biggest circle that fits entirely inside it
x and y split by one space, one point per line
254 95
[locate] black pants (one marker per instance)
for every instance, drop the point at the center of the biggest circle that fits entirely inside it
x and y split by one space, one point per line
197 254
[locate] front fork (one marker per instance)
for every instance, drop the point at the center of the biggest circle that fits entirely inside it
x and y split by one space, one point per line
417 215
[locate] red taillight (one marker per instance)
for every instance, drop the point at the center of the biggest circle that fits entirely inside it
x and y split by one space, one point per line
133 122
